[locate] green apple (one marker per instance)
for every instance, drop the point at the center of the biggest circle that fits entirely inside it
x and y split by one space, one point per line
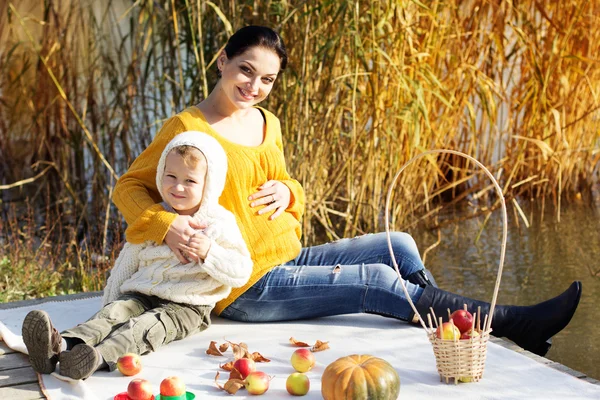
297 384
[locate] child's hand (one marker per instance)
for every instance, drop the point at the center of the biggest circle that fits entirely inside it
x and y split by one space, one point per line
197 247
180 232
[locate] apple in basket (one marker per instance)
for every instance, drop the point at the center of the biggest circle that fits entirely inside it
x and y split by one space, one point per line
469 334
139 389
244 366
257 382
462 319
129 364
447 331
303 360
172 386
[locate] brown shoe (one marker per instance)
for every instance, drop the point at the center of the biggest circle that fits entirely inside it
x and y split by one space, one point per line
42 341
80 362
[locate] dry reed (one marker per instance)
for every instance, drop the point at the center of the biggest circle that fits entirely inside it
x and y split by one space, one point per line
84 85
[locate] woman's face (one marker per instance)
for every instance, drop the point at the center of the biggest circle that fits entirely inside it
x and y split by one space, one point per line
248 78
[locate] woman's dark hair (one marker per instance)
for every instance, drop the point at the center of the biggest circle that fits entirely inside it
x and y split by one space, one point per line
256 36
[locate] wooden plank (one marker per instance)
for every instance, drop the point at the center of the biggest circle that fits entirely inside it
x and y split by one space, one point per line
17 376
28 391
14 360
563 368
542 360
4 349
590 380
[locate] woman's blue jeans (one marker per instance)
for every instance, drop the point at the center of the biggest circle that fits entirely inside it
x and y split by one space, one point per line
347 276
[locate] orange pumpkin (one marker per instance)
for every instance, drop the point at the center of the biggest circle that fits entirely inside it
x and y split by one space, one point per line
360 377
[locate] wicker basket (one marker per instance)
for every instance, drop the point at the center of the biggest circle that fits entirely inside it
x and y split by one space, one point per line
456 359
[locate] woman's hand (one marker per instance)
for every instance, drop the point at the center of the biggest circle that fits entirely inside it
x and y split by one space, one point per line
180 232
275 195
197 247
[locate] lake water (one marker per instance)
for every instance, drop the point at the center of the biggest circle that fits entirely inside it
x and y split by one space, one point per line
541 262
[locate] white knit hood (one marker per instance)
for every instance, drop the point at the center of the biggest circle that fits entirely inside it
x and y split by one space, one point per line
216 165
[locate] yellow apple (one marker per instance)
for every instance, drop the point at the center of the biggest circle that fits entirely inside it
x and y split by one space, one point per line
447 331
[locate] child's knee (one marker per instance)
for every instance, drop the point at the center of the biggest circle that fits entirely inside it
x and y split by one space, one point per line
159 333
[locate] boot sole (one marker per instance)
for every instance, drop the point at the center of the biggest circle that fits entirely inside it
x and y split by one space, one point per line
79 363
37 334
542 349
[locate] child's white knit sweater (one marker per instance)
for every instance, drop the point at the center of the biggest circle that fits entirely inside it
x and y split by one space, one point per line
154 270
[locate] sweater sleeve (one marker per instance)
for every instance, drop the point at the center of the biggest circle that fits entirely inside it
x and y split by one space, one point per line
136 195
126 265
228 260
297 199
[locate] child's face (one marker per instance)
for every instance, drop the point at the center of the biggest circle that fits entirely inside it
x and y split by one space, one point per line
183 185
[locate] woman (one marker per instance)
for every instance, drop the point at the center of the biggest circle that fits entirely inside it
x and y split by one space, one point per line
289 282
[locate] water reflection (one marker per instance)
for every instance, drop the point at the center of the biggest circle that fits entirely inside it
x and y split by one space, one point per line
541 262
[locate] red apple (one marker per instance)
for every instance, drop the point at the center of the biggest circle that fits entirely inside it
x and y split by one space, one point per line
303 360
448 331
257 382
469 334
172 386
244 366
139 389
462 319
297 384
129 364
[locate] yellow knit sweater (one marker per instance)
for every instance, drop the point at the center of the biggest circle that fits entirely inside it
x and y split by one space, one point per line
271 242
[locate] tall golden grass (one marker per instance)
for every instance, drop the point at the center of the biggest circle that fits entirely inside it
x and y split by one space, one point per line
84 85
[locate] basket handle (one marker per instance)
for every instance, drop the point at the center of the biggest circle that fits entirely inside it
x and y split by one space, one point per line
504 229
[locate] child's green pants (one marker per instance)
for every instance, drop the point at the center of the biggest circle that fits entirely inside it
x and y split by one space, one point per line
137 323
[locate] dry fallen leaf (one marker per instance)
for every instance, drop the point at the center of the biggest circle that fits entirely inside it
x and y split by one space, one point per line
223 348
212 349
233 385
239 350
235 374
320 346
227 366
217 381
297 343
247 354
257 357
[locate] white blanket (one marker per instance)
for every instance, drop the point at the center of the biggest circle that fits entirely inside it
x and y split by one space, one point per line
508 375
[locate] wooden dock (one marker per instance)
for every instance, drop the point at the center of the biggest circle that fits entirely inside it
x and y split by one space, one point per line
18 380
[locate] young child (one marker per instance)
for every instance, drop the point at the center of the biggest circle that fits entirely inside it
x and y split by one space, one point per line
151 298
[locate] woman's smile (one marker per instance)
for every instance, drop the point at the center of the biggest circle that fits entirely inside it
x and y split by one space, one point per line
245 94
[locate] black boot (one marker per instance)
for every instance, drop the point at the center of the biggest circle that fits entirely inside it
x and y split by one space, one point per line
422 278
530 327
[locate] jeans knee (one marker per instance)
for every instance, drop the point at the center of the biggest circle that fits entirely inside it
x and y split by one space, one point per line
402 242
406 252
404 245
380 275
